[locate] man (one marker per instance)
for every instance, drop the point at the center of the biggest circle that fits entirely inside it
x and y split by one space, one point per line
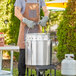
28 12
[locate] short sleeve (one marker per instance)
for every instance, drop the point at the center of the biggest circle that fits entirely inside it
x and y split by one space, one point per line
18 3
42 3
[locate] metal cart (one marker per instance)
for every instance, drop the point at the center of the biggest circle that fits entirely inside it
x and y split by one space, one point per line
11 49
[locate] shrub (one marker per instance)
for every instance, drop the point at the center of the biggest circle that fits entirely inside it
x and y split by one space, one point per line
67 31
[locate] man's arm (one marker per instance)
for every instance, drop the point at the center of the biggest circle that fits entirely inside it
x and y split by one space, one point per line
18 13
44 20
46 12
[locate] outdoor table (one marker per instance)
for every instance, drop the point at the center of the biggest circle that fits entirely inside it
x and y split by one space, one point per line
10 48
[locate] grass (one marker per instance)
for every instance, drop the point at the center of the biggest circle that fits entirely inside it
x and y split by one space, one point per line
15 72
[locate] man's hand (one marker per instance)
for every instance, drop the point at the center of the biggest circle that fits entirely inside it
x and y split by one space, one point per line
29 23
43 21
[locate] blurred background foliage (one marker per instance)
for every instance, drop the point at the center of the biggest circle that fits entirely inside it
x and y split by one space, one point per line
67 31
9 24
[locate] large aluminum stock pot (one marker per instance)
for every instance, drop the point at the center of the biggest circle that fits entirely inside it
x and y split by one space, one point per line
37 49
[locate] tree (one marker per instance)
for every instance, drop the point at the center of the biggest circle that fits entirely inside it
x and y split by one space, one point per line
67 31
9 24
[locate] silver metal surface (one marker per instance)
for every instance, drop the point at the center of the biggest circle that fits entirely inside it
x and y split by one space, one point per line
4 72
37 49
11 64
9 48
0 59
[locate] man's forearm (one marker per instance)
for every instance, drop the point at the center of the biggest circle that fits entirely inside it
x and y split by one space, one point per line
18 14
44 20
46 12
